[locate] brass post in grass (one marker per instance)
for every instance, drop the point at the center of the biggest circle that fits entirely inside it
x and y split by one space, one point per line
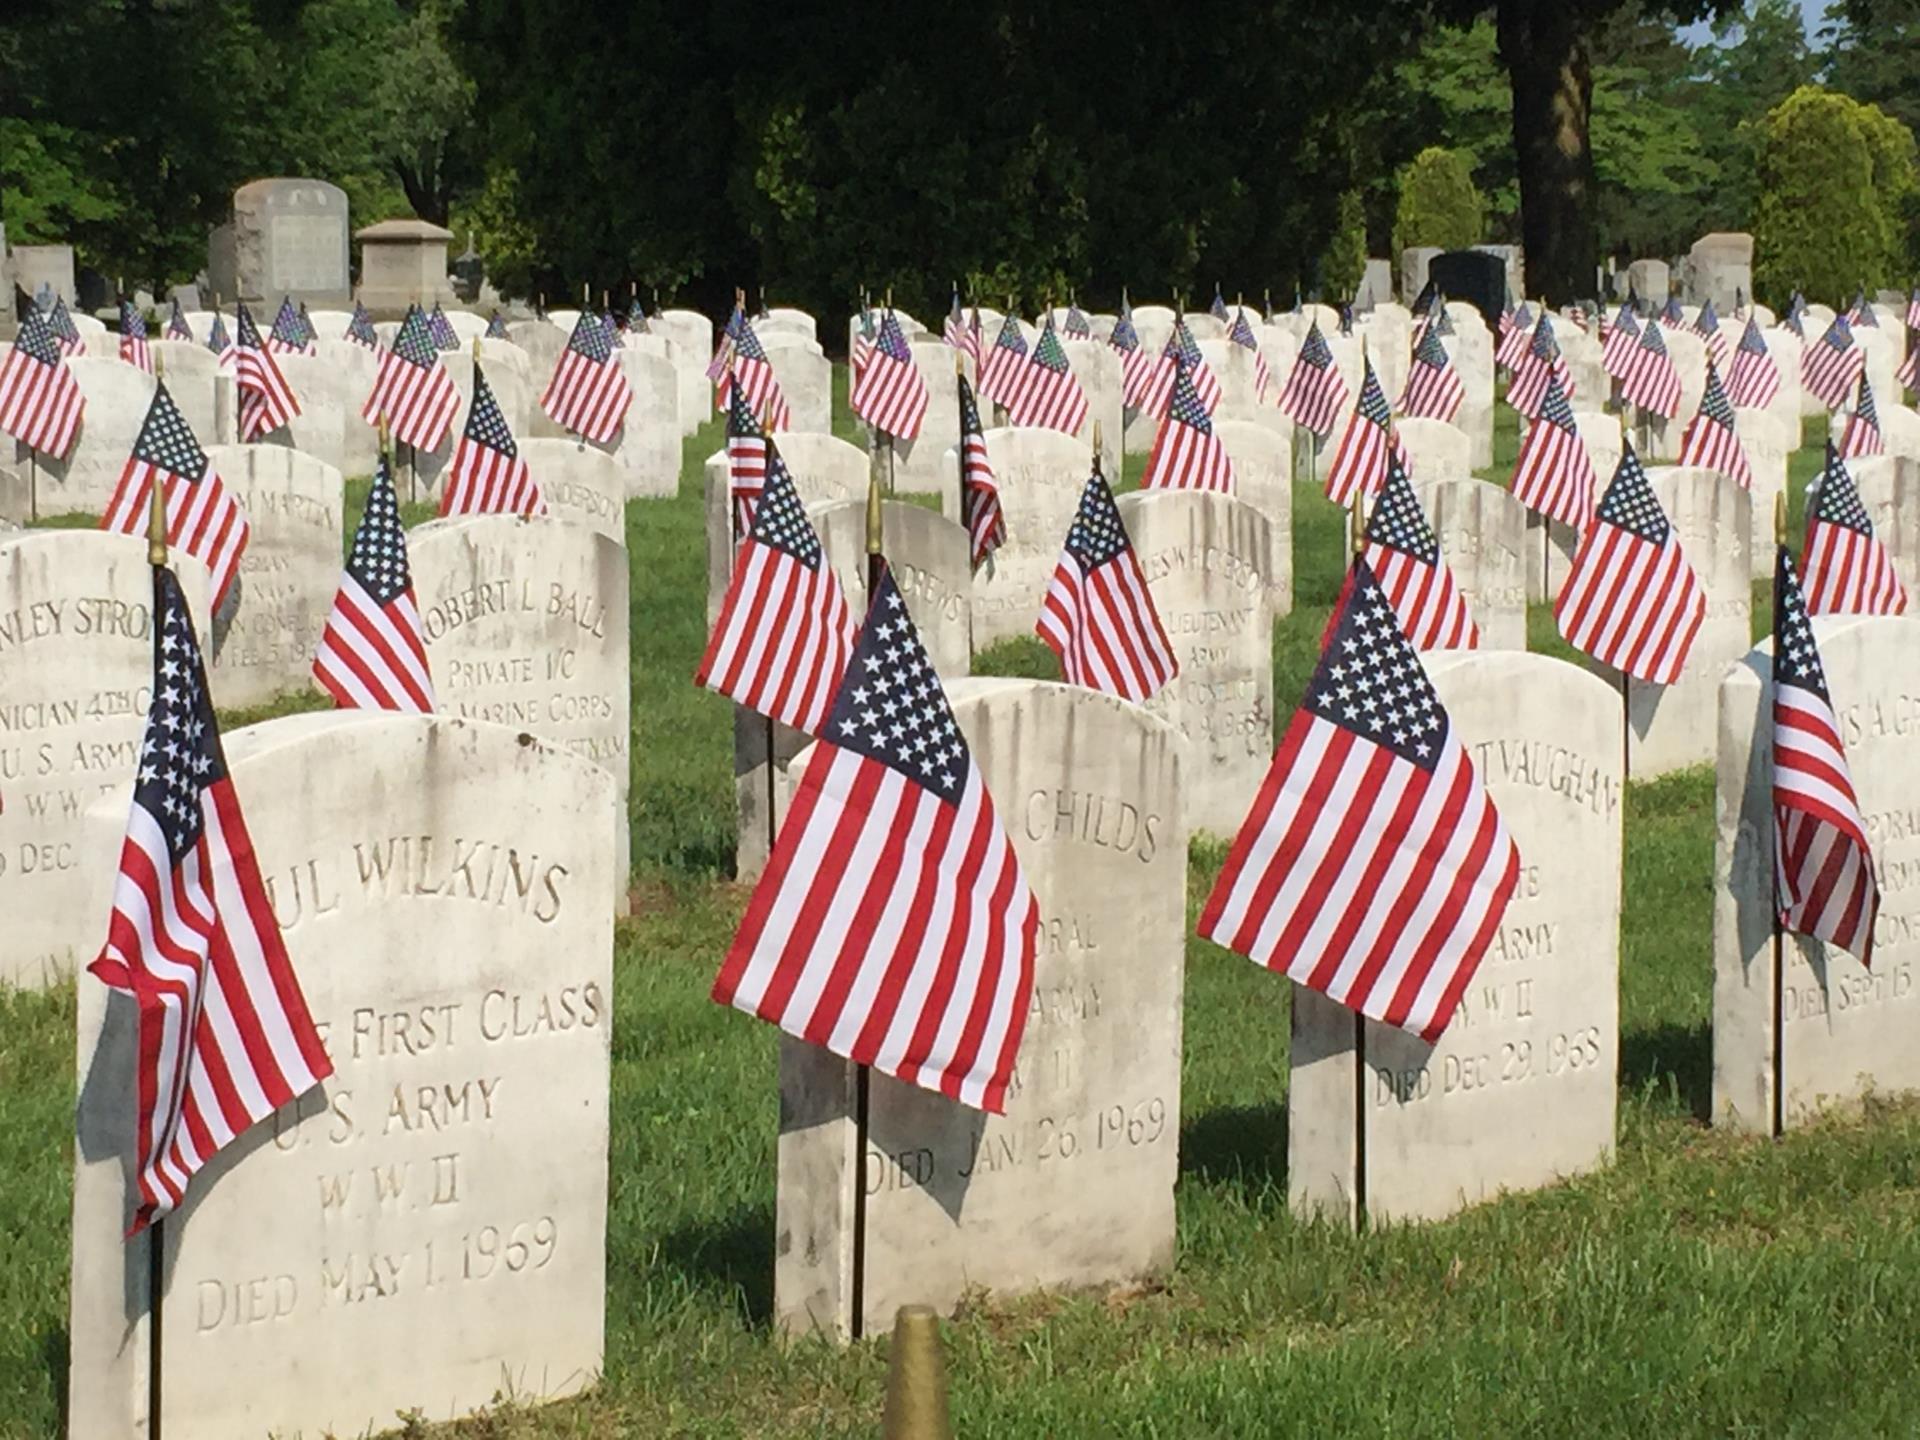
916 1379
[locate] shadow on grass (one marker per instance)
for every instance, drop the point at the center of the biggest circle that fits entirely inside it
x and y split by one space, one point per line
730 1259
1240 1145
56 1350
1670 1059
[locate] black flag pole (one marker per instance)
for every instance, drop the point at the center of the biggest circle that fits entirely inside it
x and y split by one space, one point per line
156 1233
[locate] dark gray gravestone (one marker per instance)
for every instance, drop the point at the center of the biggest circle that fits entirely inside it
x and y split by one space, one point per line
1474 276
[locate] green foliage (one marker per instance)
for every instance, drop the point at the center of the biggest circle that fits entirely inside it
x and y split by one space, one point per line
1455 88
1836 179
1344 265
1872 52
1439 203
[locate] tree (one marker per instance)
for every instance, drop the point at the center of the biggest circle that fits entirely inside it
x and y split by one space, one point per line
1439 204
1344 265
1873 54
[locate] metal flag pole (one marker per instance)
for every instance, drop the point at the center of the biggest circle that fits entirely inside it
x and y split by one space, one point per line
1359 548
157 1230
960 452
1779 1116
887 433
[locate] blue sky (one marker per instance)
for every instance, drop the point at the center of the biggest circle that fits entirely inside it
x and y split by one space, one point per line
1810 13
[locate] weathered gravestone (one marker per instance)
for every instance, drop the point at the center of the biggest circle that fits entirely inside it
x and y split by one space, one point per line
190 371
76 674
1807 1026
1437 450
118 396
288 237
288 575
1650 280
1721 270
329 412
648 445
919 464
45 266
1096 365
1263 477
806 380
1475 277
1203 556
1073 1186
797 321
1768 447
403 263
1041 474
1415 262
1890 489
1520 1089
1472 350
526 624
16 494
580 483
1689 355
1670 727
1551 545
822 467
1483 539
692 337
404 1236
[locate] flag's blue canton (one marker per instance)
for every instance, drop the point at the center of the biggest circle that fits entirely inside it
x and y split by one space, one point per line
1185 406
132 323
745 342
441 329
1314 350
307 333
1430 352
1125 337
485 424
1219 307
1864 406
217 340
780 520
1673 314
379 556
1839 334
1370 682
287 327
177 327
892 342
1181 341
636 318
249 332
1714 403
1522 317
1750 338
590 339
414 344
1707 322
166 442
1077 322
1398 522
891 707
1097 533
1242 333
361 326
969 410
1544 346
1863 311
36 339
1796 659
62 322
496 326
1554 408
1650 338
1796 310
1630 503
1047 350
1010 337
612 327
1838 502
180 755
741 423
1625 321
1373 400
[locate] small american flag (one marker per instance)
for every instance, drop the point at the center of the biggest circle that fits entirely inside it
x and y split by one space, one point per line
1622 342
1186 454
1848 570
784 634
890 394
360 329
1862 436
1673 314
497 327
1707 326
1650 381
862 351
1076 326
1241 333
289 333
488 475
1098 616
64 330
637 322
1913 309
204 518
1710 440
1359 465
587 392
133 338
1831 366
748 367
1755 379
308 334
1632 600
1516 333
177 327
413 389
1404 555
1315 393
746 462
1554 474
266 400
1822 864
980 510
1909 372
1373 866
1046 393
1159 393
1433 390
1795 318
41 404
962 330
219 342
1543 359
223 1034
373 652
924 967
1862 311
1219 307
1136 365
1004 362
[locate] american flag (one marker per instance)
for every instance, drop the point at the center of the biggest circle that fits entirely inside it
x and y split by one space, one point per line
1554 474
890 394
1241 333
1755 379
1098 615
1315 393
746 463
1004 362
746 365
1862 311
488 474
497 327
41 404
413 389
637 321
266 400
1076 326
308 334
1622 343
1046 392
1516 333
1795 318
1909 372
177 327
224 1037
893 924
1673 314
784 634
219 342
204 518
1707 326
1373 866
587 393
1359 465
611 324
1822 864
64 330
962 331
360 329
1831 366
133 337
289 333
1186 454
1632 600
1650 380
862 350
1543 359
1219 307
1913 309
1710 440
1433 390
1159 392
1404 555
1862 436
980 510
373 651
1848 570
1136 365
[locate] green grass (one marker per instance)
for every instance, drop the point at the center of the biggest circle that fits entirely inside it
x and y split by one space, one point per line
1703 1285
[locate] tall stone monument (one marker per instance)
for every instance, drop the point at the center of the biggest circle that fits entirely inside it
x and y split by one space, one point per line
287 237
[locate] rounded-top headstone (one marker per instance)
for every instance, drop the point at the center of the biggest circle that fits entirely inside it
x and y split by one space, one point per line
1040 474
118 396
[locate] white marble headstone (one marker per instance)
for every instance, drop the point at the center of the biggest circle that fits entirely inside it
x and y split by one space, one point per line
1041 474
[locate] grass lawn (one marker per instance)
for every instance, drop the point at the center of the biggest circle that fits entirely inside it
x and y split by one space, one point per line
1701 1286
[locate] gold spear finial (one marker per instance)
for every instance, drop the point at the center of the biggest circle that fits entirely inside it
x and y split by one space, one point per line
156 522
1780 517
875 534
916 1379
386 439
1360 520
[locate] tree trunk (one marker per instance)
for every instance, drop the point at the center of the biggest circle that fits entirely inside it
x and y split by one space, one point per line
1549 62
